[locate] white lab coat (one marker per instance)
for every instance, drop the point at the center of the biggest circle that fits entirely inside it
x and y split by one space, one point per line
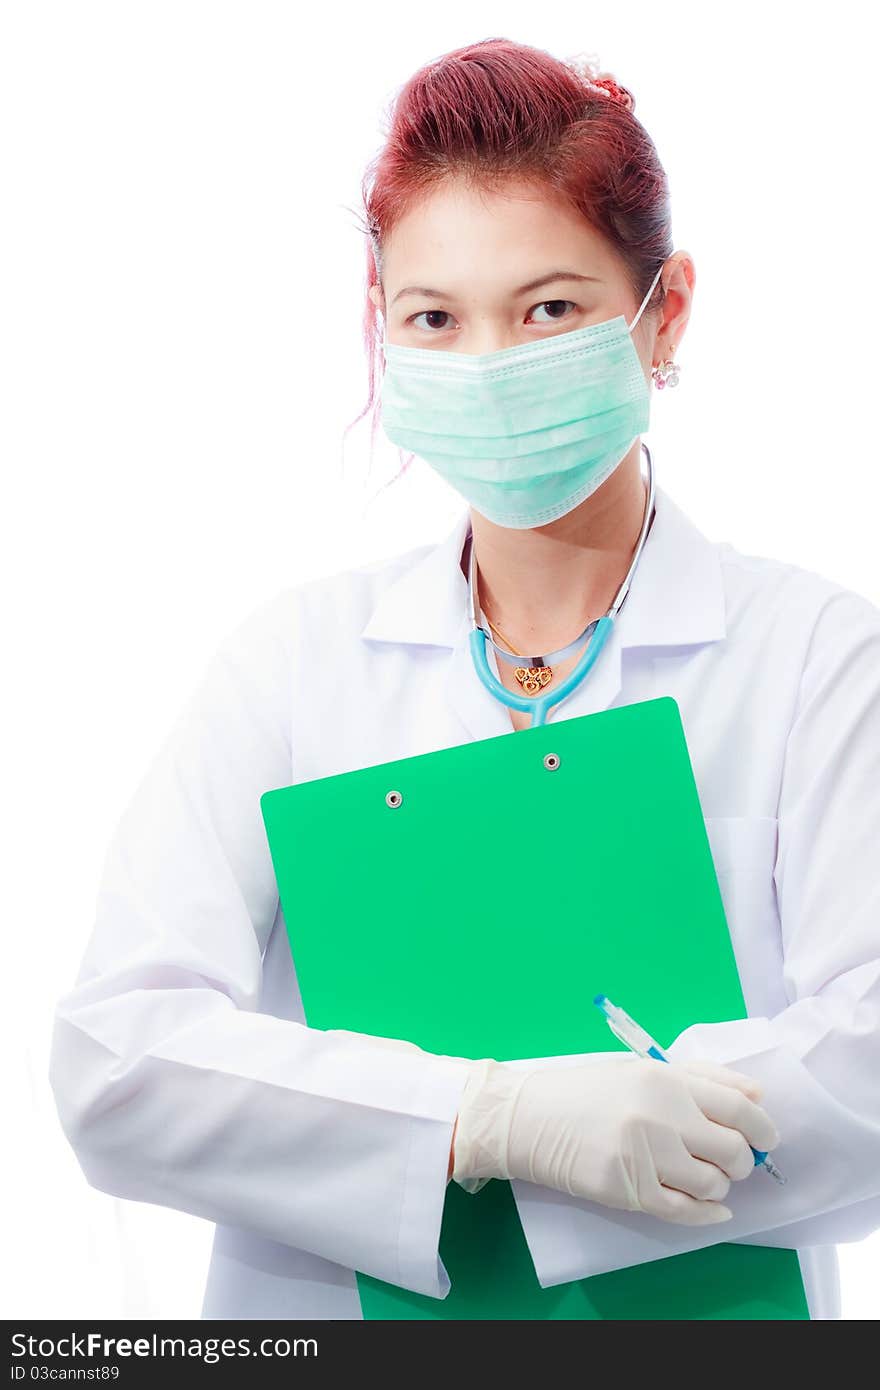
182 1068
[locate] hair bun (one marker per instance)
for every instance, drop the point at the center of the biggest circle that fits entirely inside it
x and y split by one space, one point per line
586 65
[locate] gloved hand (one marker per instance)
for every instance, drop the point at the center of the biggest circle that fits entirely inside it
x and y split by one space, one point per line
633 1134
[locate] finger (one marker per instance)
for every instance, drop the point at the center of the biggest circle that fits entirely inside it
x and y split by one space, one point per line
721 1145
728 1106
705 1181
668 1204
726 1076
679 1169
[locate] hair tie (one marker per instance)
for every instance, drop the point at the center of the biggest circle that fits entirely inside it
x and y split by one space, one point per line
603 84
613 90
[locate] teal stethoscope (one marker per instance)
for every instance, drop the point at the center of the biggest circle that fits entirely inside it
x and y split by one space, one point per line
600 628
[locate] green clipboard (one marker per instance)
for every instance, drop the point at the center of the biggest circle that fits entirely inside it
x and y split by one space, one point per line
476 913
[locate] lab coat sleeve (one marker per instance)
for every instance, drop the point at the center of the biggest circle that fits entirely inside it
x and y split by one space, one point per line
819 1058
170 1083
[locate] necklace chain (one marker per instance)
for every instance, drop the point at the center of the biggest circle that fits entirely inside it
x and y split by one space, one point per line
532 678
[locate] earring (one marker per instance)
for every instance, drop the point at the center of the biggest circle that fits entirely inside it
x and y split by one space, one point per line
667 372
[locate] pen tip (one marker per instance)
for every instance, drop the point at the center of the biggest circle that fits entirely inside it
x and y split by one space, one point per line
599 1000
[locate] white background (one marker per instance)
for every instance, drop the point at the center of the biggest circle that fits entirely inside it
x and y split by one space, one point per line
182 291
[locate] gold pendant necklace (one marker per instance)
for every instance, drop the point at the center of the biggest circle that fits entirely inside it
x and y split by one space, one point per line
531 678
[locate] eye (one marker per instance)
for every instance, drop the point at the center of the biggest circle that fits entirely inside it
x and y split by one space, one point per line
552 304
432 314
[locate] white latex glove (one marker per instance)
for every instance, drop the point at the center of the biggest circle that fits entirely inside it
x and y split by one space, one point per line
637 1135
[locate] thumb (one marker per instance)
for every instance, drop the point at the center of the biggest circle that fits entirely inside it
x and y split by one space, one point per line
680 1207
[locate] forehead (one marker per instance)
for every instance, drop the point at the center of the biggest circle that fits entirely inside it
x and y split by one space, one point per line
456 228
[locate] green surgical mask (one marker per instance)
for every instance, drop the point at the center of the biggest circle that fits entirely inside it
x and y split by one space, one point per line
526 433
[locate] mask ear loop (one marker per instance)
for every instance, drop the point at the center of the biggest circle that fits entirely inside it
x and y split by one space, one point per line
646 298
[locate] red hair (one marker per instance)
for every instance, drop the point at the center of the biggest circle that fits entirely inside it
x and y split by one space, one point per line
498 110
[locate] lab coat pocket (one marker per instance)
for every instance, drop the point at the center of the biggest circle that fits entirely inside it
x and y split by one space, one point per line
744 854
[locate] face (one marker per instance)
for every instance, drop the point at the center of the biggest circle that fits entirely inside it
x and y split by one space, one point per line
482 254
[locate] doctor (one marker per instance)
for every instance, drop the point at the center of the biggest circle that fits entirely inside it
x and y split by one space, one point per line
525 314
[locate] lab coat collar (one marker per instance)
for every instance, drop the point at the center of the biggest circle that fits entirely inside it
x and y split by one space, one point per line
677 595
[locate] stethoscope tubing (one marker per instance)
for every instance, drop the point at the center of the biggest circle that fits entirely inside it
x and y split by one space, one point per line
538 705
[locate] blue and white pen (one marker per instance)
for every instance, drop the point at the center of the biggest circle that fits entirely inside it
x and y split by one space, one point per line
637 1040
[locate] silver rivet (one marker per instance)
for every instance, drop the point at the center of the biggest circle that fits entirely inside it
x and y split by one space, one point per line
551 762
393 799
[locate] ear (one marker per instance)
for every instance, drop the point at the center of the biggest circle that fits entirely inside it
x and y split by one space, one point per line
377 295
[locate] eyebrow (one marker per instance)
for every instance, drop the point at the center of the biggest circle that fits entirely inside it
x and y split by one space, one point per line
548 279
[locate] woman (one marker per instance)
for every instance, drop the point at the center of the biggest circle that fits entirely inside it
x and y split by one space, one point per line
182 1067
